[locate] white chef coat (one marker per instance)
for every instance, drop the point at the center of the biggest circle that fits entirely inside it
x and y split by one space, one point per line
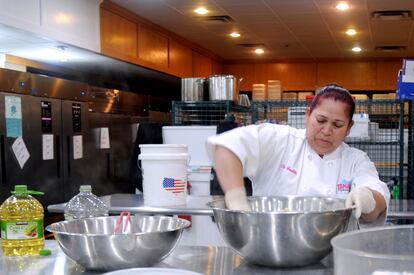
279 161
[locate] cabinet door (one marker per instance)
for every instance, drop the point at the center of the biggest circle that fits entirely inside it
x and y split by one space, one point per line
22 14
153 48
75 22
351 75
181 60
118 36
202 65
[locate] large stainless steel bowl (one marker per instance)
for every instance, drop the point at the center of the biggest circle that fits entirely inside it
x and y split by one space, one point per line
93 244
282 231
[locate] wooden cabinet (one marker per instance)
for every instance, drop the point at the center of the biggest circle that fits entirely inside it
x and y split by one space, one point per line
351 75
217 67
387 72
294 76
153 48
244 71
118 36
308 76
181 59
202 65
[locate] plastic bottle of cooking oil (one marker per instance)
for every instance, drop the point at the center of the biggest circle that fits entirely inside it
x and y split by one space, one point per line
21 218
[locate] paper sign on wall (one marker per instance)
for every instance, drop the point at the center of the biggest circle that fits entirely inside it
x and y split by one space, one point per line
20 151
104 142
47 146
77 147
13 114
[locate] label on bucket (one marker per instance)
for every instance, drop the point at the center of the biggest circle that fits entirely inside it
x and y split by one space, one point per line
175 186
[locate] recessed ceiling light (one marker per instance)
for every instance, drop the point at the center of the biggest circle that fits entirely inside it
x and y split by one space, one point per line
201 10
356 49
259 51
235 34
351 32
342 6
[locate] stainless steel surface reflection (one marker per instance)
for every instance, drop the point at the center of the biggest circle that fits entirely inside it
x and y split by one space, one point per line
93 244
283 231
208 260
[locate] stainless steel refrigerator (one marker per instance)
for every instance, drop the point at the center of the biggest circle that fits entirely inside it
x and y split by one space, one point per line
54 119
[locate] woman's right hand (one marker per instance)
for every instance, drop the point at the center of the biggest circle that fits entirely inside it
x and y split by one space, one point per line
236 199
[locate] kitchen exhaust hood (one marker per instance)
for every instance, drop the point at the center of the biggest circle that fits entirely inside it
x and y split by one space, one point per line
86 66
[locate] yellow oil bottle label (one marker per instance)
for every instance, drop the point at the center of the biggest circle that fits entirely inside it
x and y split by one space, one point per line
12 230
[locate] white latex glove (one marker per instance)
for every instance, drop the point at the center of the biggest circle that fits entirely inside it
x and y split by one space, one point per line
236 199
363 200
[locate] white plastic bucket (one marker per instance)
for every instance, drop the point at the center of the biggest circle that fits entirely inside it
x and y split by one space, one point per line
164 179
163 148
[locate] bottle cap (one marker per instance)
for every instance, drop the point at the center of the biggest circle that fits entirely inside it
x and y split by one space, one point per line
85 188
22 190
45 252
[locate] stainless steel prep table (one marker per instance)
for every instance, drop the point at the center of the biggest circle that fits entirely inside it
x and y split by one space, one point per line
197 205
209 260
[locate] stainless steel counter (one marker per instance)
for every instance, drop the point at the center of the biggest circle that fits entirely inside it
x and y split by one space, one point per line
209 260
197 205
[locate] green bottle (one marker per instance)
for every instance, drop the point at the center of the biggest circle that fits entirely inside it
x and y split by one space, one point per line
396 192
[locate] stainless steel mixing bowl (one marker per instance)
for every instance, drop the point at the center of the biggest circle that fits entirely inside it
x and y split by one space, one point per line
282 231
93 244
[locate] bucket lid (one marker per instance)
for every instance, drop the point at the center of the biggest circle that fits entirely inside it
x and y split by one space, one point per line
162 156
162 145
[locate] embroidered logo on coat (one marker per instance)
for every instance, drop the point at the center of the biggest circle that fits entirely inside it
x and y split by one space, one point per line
343 187
288 168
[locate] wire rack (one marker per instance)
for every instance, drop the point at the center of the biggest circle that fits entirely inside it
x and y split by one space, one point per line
383 140
208 112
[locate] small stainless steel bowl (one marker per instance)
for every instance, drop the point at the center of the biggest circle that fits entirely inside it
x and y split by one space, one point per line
282 231
93 244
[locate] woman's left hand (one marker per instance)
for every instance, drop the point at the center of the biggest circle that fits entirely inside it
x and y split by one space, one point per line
363 200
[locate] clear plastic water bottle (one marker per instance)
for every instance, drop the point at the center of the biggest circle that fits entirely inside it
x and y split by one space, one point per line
85 205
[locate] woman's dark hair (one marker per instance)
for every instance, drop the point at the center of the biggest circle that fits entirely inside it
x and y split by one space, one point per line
337 93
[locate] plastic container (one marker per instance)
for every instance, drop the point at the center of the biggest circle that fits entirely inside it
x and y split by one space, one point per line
163 148
21 218
200 181
195 137
85 205
374 250
164 179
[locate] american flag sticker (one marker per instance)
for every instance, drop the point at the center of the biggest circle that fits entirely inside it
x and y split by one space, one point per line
173 185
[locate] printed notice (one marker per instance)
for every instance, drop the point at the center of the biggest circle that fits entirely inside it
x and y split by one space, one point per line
104 138
20 151
47 146
77 147
13 115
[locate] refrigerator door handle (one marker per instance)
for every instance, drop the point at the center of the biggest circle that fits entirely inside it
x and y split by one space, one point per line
57 150
68 142
108 165
3 160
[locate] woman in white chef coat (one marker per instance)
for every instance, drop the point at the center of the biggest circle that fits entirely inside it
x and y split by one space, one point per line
281 160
